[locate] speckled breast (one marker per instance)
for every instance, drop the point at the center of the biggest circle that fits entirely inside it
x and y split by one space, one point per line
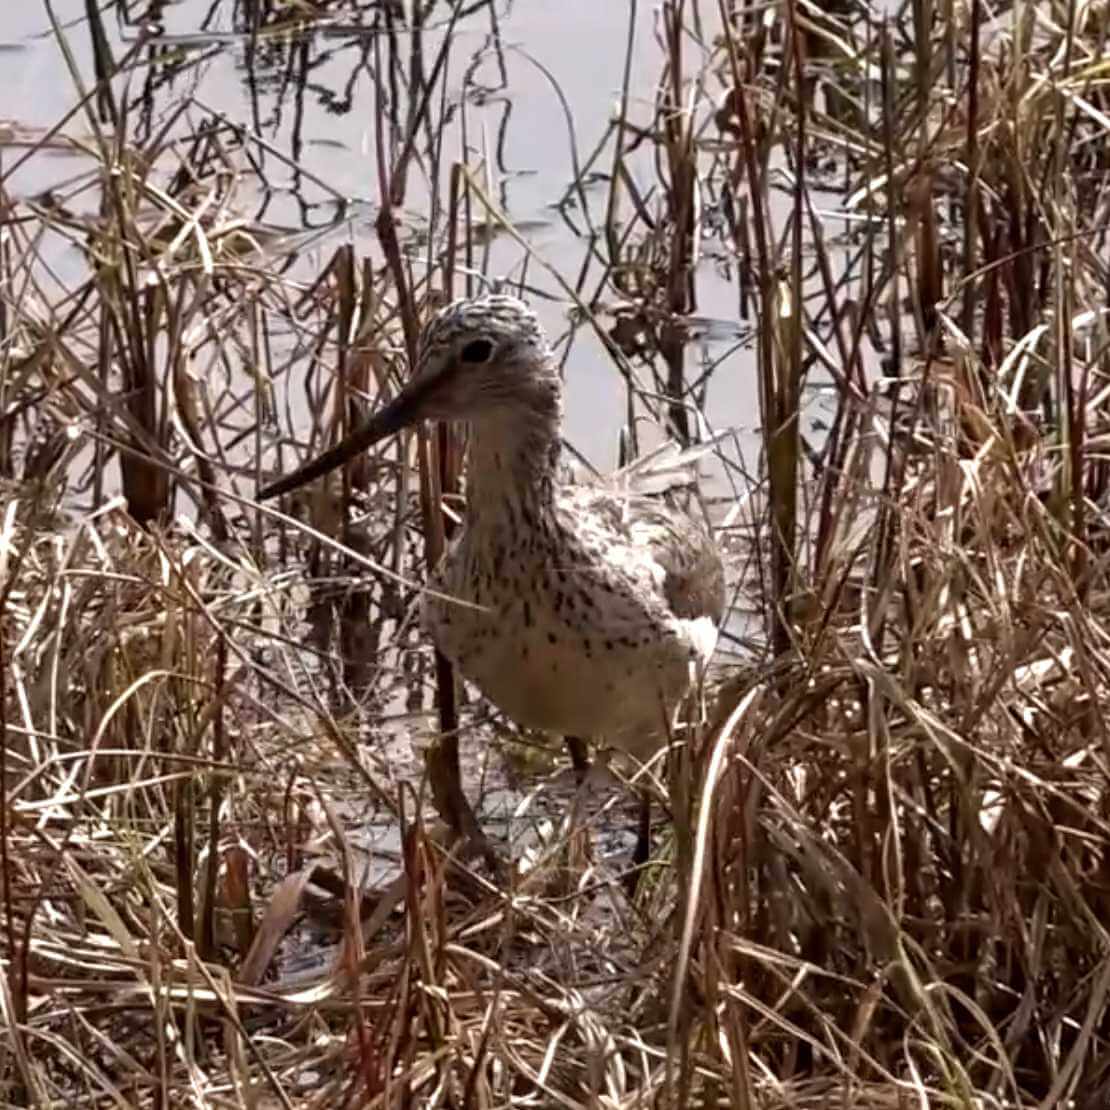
557 646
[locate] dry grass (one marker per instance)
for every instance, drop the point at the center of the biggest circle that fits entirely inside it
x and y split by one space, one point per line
888 882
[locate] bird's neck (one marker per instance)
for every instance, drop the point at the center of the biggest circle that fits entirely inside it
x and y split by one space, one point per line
512 467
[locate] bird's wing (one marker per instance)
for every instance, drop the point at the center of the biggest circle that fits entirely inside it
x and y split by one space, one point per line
656 544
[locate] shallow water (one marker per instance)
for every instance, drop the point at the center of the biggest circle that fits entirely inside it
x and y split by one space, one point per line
310 95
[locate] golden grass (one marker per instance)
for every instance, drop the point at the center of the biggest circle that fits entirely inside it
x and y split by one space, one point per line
887 883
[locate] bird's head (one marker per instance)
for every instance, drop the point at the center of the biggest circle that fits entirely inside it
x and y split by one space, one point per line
481 360
484 358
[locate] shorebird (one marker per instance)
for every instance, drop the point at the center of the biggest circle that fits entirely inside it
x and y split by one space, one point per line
581 610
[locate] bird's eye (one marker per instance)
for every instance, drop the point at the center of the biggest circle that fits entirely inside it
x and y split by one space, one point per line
477 350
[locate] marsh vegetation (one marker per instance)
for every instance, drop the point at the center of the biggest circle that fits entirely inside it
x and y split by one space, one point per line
859 252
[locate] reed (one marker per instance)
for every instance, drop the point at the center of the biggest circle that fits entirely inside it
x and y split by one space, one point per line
885 878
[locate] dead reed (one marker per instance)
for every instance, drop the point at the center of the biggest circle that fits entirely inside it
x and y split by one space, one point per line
888 879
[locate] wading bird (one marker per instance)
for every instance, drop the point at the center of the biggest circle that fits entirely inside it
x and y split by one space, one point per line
586 610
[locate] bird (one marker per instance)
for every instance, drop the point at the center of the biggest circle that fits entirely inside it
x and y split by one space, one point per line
581 609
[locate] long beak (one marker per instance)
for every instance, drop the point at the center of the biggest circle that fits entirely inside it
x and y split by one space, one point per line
405 409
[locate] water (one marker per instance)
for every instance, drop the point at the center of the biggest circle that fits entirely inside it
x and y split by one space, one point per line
310 95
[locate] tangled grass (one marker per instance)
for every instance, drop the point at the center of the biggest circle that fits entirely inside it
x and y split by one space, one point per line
886 879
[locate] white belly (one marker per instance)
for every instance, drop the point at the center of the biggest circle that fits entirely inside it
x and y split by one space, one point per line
577 674
566 625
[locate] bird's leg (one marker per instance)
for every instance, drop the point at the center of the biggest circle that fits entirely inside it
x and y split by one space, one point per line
445 778
578 849
579 757
445 774
642 852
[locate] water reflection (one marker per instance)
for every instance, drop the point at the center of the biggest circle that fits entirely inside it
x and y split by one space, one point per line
308 107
